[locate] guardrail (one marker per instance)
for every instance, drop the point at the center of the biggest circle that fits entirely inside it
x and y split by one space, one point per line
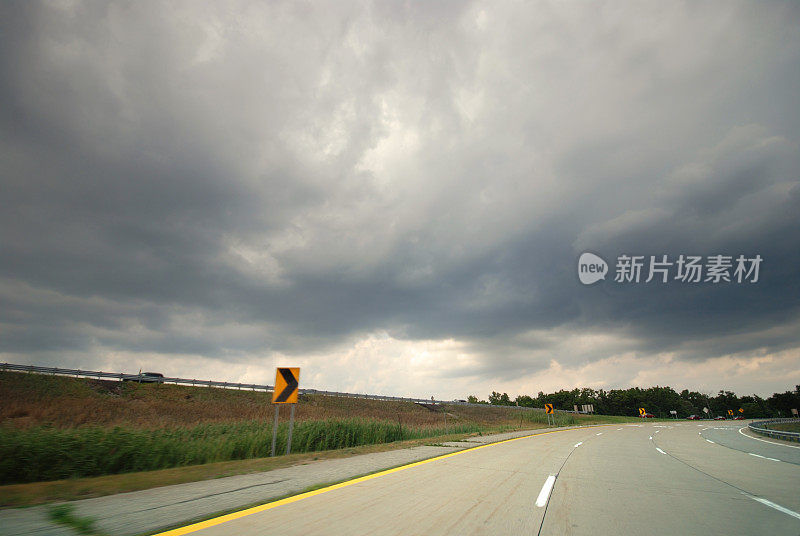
119 376
760 427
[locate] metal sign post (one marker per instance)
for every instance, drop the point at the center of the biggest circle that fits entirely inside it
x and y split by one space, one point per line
274 431
548 408
291 427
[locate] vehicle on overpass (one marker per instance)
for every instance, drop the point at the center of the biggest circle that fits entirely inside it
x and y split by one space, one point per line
147 377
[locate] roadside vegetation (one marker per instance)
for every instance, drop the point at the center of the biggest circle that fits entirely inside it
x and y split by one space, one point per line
659 401
60 428
785 427
47 453
63 514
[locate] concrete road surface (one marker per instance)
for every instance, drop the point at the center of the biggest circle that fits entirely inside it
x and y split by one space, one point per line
651 478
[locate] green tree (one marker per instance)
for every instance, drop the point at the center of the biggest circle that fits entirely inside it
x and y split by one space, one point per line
499 400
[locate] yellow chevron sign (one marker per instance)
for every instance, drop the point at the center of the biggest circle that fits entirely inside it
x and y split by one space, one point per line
287 381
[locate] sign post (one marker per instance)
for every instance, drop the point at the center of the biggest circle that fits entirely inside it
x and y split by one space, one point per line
548 408
730 412
287 381
794 412
673 412
642 412
274 431
291 428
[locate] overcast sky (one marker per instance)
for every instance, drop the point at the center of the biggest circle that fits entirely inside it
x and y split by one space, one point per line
394 196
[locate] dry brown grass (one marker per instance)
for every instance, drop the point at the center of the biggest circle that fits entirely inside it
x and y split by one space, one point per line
63 402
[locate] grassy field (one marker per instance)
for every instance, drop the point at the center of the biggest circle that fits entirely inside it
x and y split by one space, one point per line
58 429
14 495
786 427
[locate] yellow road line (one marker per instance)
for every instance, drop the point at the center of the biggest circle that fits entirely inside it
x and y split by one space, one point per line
268 506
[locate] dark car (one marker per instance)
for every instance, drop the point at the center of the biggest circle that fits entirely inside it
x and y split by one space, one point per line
147 377
152 377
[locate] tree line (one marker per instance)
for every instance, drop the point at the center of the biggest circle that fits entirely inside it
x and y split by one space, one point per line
656 400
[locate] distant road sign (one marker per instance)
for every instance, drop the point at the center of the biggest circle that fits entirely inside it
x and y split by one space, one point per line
794 411
741 410
705 410
642 411
730 412
548 408
673 412
287 381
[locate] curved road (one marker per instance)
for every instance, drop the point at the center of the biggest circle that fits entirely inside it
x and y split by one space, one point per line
650 478
741 439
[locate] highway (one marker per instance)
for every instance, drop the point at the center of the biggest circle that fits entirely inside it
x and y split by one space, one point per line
650 478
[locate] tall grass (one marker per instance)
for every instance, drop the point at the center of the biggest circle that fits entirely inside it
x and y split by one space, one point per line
46 453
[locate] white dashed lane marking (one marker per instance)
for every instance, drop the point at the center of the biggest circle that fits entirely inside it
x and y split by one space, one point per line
777 507
541 500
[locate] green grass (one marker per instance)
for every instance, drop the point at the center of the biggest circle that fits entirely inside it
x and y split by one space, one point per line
45 453
786 427
64 514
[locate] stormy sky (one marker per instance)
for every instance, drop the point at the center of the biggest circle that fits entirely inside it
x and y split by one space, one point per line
394 196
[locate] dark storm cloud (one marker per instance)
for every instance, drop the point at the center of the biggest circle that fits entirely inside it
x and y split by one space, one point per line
193 179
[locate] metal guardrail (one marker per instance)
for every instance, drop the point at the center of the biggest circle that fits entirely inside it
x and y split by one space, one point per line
761 427
118 376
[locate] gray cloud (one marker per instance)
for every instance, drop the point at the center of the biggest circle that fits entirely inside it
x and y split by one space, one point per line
184 178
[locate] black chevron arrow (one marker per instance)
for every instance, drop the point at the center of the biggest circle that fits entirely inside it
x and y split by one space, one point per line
291 384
